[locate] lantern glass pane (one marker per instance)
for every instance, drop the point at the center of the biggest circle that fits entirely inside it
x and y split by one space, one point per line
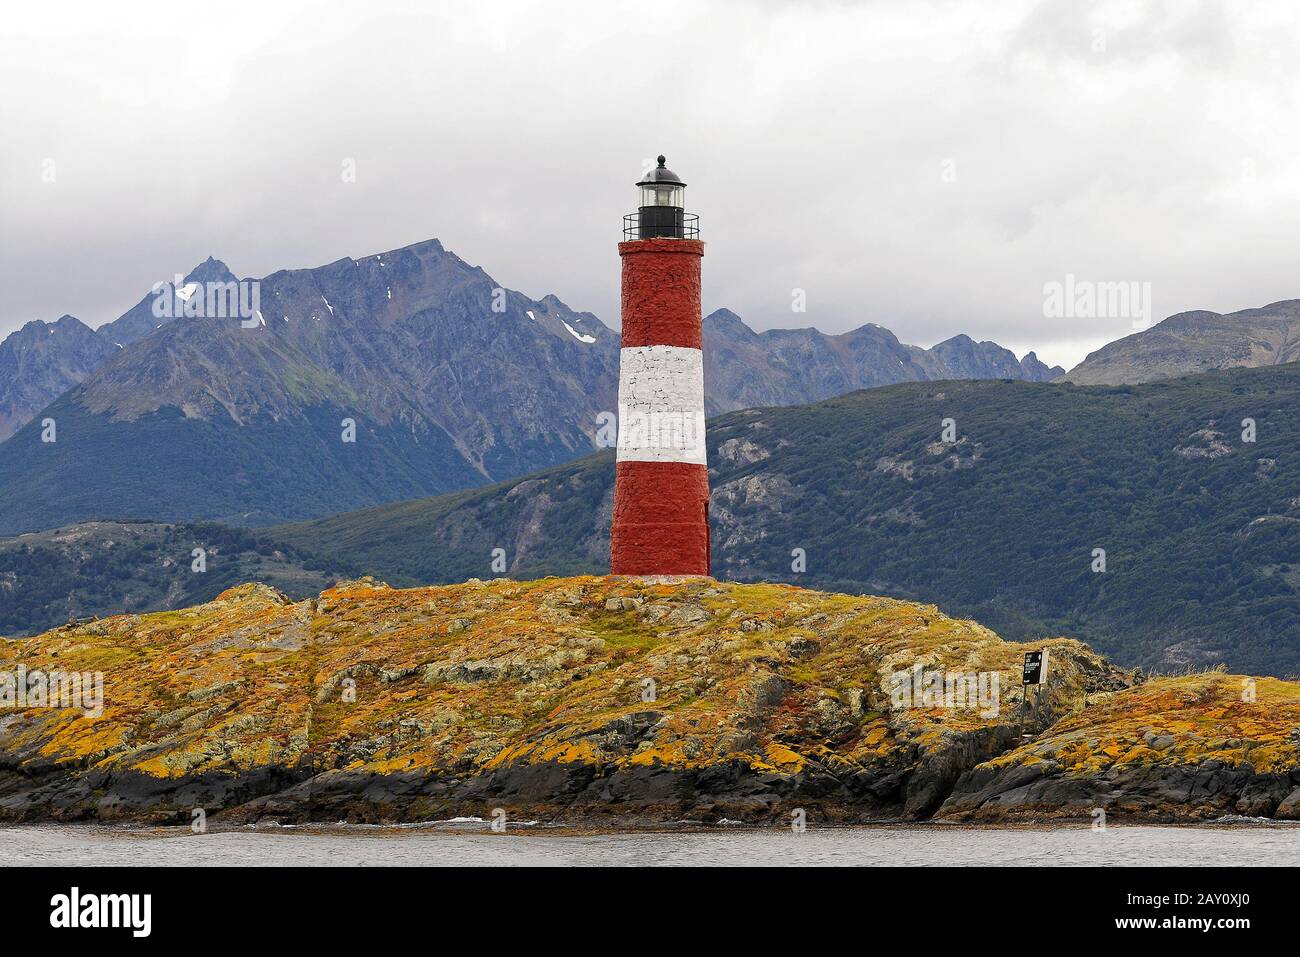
662 194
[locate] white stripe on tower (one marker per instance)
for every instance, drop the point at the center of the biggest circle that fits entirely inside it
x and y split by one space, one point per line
661 405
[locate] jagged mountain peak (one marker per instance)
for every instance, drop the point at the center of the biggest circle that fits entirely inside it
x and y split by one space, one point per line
211 269
726 322
1036 370
555 302
34 327
142 318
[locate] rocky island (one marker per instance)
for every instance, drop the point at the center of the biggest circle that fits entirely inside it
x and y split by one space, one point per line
619 701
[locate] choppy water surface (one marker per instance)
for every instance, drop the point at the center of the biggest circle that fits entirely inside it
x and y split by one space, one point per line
474 845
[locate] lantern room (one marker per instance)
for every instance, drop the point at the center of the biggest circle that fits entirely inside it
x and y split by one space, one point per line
661 213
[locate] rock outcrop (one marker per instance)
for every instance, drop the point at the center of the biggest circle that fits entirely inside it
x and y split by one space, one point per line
1197 747
616 699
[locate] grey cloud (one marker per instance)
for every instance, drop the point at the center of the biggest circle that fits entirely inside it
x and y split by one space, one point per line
813 137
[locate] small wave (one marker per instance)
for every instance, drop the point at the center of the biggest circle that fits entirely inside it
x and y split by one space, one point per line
1252 821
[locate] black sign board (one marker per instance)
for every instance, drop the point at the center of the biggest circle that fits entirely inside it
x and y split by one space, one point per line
1035 667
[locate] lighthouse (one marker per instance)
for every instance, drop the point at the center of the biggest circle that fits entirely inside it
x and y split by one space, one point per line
661 480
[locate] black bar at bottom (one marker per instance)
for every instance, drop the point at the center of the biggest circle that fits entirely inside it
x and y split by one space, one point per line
332 906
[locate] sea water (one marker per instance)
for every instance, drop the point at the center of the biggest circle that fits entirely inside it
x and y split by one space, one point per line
473 843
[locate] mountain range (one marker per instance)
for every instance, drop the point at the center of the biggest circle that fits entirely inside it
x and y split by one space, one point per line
744 369
205 418
448 381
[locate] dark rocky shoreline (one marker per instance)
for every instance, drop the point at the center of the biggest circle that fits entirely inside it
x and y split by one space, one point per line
646 797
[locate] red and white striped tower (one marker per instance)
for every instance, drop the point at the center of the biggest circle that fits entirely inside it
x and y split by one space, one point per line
661 482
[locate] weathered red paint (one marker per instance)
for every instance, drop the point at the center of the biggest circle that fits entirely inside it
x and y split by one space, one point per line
661 522
661 292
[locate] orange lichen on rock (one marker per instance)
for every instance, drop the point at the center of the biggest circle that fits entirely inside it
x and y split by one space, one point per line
480 681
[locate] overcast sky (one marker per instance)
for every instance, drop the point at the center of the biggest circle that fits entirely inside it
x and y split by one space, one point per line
925 167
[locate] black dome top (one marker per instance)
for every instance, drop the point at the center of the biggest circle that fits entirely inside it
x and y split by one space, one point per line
661 174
